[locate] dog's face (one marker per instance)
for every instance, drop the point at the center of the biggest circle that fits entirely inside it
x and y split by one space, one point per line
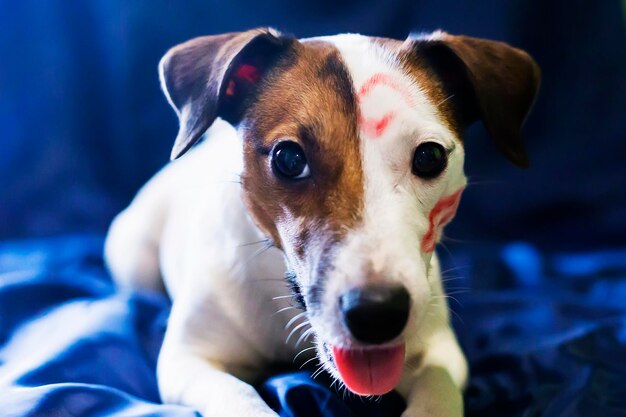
353 163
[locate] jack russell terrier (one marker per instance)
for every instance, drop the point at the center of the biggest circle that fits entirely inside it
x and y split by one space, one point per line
306 221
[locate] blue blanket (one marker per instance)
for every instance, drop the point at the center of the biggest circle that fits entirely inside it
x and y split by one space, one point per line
545 335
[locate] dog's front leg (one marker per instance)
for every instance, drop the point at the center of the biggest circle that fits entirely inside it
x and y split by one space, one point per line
434 394
434 389
189 379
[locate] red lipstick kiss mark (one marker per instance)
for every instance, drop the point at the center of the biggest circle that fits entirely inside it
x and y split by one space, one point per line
375 127
387 81
372 126
440 215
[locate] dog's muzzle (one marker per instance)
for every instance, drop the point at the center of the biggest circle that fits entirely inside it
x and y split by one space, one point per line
374 315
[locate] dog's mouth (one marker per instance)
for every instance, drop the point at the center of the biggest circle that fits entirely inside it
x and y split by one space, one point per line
370 371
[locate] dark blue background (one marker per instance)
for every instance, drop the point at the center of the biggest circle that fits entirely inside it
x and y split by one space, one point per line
83 123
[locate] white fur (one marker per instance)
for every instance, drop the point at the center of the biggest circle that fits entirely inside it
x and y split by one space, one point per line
190 223
223 320
396 210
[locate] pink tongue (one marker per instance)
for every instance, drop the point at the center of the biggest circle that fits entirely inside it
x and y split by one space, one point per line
370 371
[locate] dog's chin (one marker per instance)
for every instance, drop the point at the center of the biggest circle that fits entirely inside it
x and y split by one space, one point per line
367 371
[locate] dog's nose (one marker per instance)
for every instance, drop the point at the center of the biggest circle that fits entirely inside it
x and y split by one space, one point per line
375 313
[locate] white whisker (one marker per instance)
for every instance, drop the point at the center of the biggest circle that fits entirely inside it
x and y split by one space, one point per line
304 364
456 268
449 297
283 296
301 352
256 242
284 309
250 258
299 326
318 372
444 100
304 335
458 290
294 319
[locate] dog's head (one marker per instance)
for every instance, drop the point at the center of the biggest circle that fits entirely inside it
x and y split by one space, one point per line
353 164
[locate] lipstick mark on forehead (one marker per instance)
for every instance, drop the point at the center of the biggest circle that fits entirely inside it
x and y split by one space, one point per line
439 216
374 127
388 81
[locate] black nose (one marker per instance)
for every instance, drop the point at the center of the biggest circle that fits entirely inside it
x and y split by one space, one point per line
376 313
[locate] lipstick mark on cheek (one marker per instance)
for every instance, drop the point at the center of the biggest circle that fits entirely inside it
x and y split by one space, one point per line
439 216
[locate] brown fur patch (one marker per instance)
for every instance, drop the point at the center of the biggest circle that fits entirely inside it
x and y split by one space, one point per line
434 88
416 66
311 102
472 79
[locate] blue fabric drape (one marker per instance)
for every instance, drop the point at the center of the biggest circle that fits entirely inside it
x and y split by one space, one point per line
545 335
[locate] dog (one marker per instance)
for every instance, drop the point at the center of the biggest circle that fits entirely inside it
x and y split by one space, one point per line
305 222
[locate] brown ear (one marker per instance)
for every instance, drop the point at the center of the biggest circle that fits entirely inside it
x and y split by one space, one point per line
213 76
487 80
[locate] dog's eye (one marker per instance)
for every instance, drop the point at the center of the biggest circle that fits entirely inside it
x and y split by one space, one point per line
429 160
288 161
